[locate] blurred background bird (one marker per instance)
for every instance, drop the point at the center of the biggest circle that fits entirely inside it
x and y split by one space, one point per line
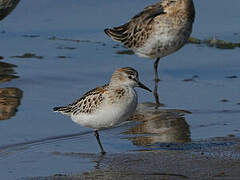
157 31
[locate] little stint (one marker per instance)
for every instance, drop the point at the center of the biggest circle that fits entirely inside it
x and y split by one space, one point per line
108 105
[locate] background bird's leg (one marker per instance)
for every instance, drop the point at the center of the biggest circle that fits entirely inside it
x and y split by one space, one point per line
155 93
156 70
99 142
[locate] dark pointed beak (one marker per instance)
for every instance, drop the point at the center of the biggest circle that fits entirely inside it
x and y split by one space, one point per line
144 87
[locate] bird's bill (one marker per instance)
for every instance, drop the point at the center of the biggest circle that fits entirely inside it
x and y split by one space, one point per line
144 87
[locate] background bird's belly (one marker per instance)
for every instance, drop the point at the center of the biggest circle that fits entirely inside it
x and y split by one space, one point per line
162 43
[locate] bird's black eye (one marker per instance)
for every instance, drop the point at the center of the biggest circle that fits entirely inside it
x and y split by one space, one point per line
130 77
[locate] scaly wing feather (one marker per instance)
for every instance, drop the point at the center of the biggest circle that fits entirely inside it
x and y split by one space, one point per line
88 103
134 33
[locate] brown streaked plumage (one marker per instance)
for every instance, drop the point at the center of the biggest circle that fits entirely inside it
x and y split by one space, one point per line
134 33
88 103
6 7
108 105
158 30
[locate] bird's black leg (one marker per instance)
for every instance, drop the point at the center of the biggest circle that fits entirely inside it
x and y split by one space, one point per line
155 93
156 70
99 142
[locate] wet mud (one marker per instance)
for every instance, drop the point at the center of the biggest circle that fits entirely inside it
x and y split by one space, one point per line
210 159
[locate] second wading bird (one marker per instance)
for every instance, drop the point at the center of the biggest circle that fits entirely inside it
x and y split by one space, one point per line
106 106
157 31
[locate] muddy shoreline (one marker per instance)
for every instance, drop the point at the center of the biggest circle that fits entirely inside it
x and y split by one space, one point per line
217 158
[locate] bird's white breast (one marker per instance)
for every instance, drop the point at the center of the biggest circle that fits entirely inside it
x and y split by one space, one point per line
109 114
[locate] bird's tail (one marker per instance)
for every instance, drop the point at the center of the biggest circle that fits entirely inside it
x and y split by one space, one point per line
117 33
64 110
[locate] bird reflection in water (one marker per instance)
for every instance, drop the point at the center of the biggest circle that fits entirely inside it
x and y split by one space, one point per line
7 72
10 99
159 126
6 7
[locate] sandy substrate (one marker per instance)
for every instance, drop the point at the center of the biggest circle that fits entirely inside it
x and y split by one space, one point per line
217 158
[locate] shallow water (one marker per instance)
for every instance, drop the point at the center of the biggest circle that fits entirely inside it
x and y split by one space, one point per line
70 54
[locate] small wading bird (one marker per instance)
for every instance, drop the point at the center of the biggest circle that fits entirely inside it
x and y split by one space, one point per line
157 31
6 7
106 106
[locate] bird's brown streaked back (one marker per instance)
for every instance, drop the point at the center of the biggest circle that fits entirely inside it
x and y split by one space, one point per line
88 103
133 33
